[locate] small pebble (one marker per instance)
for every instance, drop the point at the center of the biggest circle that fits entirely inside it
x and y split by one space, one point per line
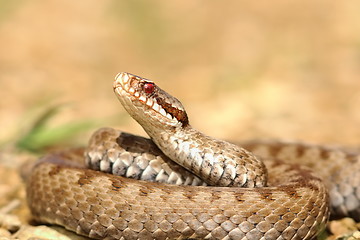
9 222
344 229
4 234
43 232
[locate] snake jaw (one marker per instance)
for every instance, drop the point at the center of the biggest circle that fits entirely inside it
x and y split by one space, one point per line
142 96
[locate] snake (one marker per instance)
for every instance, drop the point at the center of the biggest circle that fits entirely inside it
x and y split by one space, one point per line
183 184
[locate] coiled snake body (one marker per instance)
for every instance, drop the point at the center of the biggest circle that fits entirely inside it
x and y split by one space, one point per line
222 191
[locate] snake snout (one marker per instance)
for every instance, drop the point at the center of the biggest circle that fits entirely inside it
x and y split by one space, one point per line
121 80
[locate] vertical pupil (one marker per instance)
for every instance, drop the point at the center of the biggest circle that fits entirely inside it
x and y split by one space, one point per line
148 87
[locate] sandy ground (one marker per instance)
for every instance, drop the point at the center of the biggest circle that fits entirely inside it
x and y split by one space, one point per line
287 70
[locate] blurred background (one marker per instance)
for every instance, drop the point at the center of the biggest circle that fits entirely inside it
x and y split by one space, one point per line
243 69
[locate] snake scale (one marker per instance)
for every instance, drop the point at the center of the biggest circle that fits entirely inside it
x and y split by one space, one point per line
220 191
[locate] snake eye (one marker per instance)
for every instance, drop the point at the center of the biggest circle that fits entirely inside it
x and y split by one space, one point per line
149 87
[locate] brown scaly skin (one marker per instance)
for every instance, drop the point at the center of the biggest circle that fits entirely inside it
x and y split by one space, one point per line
293 205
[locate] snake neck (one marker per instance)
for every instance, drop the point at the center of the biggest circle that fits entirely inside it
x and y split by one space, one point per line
218 162
165 120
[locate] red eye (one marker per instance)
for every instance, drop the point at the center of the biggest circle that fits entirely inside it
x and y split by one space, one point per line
149 87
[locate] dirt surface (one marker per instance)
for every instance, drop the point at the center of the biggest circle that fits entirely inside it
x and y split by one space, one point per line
243 70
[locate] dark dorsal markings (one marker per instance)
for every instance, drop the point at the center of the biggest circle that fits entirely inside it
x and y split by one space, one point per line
152 90
180 115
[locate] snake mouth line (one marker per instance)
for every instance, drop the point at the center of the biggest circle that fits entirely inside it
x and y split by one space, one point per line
144 91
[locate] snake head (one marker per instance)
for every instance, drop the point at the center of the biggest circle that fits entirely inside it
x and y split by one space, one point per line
147 103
